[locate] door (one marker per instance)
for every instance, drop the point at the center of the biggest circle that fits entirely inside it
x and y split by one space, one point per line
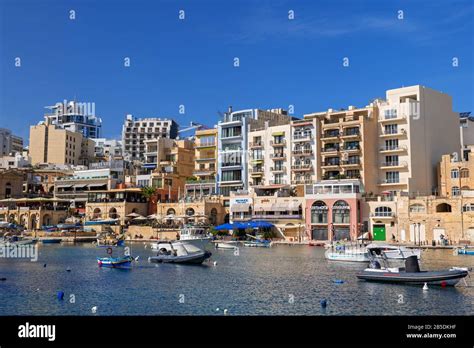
319 233
379 232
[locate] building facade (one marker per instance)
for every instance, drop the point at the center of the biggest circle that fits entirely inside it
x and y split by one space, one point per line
203 181
136 131
10 144
76 117
49 144
455 175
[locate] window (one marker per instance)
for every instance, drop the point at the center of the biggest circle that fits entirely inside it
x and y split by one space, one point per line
391 144
391 129
464 173
443 208
454 174
455 191
319 213
341 212
392 113
417 208
392 177
383 211
468 207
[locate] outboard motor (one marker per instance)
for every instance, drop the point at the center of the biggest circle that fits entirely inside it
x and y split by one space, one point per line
411 264
374 264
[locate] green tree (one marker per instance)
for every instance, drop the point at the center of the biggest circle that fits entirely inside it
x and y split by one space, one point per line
148 192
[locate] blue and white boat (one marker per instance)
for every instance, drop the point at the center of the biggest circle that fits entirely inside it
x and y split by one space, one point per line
115 262
465 251
258 243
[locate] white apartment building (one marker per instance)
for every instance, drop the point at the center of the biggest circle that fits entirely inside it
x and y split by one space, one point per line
9 144
136 131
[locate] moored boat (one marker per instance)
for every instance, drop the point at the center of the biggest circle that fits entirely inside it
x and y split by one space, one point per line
411 274
195 235
347 253
178 252
392 251
465 251
258 243
51 240
115 262
226 245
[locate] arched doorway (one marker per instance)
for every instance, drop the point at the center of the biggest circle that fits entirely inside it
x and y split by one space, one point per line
113 213
341 218
226 218
47 220
96 214
319 221
33 222
8 190
24 220
213 217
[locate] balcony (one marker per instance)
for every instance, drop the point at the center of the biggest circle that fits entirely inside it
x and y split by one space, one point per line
303 152
351 163
303 182
393 165
256 171
393 148
330 135
329 150
328 165
255 145
353 148
231 165
383 215
280 143
204 172
213 159
277 182
392 118
302 137
349 134
200 182
278 169
397 134
277 156
301 167
206 144
391 182
276 217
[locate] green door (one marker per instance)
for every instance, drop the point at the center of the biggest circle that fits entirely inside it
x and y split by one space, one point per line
379 232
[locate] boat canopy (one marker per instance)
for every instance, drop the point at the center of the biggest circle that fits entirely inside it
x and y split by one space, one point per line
244 225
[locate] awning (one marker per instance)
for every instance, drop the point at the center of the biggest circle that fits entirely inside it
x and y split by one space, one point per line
239 208
96 185
294 206
80 186
280 207
149 165
63 186
263 207
276 134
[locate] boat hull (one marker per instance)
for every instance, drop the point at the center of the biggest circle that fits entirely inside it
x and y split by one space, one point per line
465 252
195 258
257 245
113 262
51 241
442 278
226 246
346 256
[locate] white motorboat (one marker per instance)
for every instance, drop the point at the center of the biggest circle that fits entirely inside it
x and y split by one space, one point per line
178 252
392 252
347 253
230 245
195 235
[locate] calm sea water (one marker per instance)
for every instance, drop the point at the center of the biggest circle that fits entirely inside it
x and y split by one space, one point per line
282 280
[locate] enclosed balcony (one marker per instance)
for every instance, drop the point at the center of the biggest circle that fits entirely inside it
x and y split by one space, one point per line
393 148
393 165
302 167
277 156
281 169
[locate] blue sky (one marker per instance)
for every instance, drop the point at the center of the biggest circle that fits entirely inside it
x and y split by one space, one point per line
282 62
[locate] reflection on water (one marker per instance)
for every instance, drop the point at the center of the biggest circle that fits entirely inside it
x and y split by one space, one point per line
282 280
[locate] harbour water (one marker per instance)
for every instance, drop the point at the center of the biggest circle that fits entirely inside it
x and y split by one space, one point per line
282 280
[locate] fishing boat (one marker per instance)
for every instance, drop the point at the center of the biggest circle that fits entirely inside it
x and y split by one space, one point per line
178 252
392 251
115 262
8 240
411 274
51 240
347 253
226 245
195 235
464 251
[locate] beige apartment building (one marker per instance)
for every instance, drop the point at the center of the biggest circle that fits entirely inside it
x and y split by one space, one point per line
203 180
455 175
49 144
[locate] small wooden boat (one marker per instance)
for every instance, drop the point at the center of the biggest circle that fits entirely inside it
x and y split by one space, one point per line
411 274
115 262
226 245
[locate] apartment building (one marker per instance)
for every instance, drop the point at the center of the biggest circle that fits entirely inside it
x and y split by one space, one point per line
136 131
106 149
50 144
203 181
416 127
233 131
466 121
76 117
346 145
455 175
10 144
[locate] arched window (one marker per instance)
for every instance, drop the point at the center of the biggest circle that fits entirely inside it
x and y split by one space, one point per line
383 211
113 213
97 213
8 190
170 211
417 208
454 173
341 212
190 212
213 216
455 191
319 213
464 173
443 208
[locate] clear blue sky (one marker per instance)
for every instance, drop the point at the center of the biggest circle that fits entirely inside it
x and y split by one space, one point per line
190 62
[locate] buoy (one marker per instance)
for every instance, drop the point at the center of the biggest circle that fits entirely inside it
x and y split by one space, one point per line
94 309
225 311
217 309
38 289
338 281
60 295
323 303
425 287
215 263
68 269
